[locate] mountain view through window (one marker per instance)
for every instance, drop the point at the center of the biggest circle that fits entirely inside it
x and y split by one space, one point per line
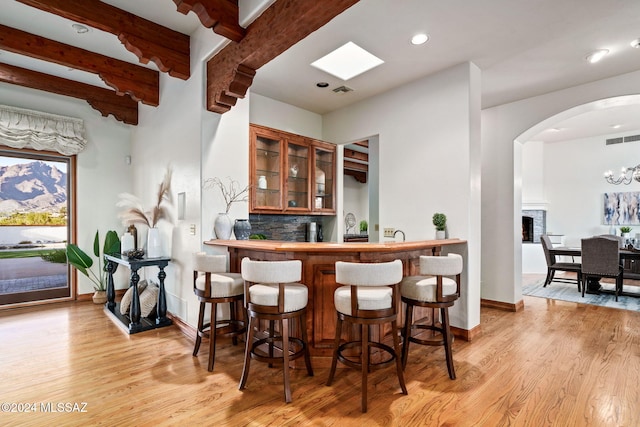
33 227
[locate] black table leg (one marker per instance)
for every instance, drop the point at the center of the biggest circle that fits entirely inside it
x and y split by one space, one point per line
134 310
162 319
111 268
593 286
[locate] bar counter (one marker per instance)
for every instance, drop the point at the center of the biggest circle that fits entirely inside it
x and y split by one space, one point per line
318 274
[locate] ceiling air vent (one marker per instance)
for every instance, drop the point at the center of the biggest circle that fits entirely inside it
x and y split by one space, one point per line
620 140
343 89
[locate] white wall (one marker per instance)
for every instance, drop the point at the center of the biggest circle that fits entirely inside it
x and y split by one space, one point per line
101 170
278 115
501 179
533 175
429 162
576 198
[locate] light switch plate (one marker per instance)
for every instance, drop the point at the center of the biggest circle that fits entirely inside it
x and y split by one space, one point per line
192 229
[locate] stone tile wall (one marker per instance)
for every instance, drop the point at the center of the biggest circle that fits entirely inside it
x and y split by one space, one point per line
292 228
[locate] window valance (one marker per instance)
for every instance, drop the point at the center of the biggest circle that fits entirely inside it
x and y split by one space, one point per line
20 128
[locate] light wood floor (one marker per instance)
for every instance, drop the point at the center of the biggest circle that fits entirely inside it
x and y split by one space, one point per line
554 363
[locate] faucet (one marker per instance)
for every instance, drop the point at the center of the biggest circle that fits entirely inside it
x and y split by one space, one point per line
399 231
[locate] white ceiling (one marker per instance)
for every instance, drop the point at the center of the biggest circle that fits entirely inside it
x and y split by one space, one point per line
523 48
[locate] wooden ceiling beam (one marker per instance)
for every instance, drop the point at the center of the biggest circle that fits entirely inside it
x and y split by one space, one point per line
142 84
106 101
356 155
230 72
220 15
149 41
355 166
358 175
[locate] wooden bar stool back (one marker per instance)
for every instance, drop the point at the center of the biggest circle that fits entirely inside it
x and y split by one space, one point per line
273 292
369 297
213 285
439 292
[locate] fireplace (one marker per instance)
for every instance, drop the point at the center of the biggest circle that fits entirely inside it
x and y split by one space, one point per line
527 229
534 225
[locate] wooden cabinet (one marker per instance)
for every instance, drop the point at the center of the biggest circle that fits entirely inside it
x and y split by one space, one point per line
290 174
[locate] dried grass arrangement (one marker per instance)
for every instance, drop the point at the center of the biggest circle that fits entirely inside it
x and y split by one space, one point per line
134 213
231 193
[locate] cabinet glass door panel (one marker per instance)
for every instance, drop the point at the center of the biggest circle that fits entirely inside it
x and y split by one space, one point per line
268 165
324 186
297 196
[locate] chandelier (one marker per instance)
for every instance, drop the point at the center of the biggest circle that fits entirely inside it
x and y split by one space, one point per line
627 175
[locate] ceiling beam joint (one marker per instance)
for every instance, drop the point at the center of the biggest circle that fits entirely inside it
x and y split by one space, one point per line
149 41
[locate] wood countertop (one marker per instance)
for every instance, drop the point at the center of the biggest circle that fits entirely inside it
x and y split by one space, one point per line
318 274
332 247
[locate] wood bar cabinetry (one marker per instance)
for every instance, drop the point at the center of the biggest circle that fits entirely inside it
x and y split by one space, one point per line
318 274
290 174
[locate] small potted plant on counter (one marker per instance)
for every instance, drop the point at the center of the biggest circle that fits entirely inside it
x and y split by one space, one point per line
624 232
364 226
440 222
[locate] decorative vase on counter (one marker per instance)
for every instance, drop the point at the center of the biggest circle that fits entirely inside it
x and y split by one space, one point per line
440 235
154 244
242 229
223 226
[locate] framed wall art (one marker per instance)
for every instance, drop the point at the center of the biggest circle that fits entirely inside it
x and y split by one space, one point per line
621 208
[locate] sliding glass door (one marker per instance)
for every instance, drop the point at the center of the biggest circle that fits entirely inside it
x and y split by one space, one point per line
35 202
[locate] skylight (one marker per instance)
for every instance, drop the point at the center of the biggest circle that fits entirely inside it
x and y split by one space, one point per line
347 61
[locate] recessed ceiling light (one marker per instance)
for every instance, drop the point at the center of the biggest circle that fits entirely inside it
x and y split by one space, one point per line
635 43
419 39
596 56
80 29
322 84
615 126
347 61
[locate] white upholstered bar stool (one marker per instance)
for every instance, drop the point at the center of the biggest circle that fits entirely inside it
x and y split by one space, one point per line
370 297
439 292
273 292
213 285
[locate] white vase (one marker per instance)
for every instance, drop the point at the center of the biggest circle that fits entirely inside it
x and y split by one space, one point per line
223 226
154 244
440 234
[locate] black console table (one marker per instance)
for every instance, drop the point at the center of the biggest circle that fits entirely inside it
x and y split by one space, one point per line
133 323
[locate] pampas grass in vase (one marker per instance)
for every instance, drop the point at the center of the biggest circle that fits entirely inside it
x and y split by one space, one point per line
134 213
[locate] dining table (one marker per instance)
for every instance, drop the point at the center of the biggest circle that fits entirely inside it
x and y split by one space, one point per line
629 254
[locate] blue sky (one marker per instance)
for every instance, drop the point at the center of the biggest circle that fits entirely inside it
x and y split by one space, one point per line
6 161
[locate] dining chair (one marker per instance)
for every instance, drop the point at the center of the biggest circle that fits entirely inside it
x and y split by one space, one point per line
553 265
601 258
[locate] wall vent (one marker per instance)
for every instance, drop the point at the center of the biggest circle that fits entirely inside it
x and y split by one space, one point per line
622 139
342 89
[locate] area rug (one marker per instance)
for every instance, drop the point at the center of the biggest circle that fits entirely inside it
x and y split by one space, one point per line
569 292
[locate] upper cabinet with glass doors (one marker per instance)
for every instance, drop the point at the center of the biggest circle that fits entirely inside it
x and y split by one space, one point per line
290 174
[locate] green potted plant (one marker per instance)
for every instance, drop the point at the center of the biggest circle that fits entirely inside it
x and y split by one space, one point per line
440 222
364 226
624 232
83 262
